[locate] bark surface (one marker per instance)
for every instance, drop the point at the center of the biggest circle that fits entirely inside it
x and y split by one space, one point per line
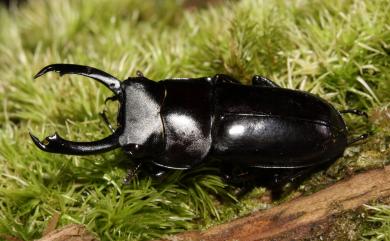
296 219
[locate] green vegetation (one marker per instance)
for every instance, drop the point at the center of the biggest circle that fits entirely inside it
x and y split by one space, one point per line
380 223
339 50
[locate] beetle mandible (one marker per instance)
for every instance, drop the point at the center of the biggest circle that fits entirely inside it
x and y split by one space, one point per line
181 123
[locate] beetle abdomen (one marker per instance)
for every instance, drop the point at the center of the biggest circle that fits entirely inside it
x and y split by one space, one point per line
275 142
241 99
275 127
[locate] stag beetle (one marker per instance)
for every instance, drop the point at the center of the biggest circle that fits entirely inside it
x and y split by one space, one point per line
181 123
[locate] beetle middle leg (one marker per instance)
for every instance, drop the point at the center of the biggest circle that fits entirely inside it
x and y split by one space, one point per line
225 79
261 81
156 171
273 179
150 170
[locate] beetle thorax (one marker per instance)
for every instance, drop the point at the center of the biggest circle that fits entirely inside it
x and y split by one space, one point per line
140 113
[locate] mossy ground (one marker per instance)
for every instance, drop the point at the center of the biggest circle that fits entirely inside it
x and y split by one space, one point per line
339 50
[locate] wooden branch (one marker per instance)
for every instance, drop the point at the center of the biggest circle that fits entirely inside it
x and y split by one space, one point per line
295 220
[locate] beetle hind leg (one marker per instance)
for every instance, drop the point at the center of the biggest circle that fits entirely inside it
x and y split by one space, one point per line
359 113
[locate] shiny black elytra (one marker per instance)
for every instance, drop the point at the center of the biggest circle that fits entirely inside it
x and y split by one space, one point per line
181 123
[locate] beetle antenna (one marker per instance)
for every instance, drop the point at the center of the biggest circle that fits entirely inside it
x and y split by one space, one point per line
108 80
56 144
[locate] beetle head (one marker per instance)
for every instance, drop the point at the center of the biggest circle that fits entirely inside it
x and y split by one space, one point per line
57 144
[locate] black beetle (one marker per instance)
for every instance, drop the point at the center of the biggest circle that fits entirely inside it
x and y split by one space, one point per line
181 123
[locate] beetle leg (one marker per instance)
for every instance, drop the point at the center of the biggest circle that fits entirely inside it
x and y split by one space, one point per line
355 112
276 180
109 81
131 173
356 139
57 144
261 81
359 113
156 171
223 78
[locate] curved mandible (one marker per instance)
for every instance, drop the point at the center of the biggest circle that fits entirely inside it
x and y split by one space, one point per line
106 79
57 144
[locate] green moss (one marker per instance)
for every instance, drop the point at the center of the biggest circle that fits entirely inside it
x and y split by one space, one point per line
377 227
336 49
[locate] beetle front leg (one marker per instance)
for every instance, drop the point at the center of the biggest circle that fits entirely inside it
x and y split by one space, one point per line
132 173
